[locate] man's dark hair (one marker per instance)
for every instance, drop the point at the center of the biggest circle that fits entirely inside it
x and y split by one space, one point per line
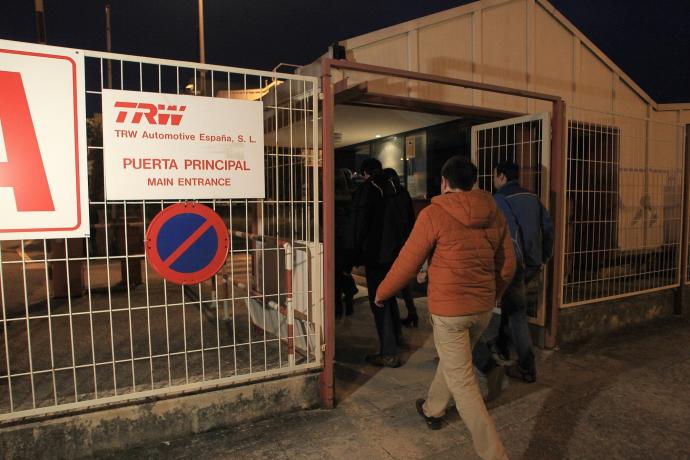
460 173
392 175
508 169
370 166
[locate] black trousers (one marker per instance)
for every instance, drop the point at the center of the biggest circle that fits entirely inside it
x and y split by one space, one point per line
514 328
409 301
387 318
344 285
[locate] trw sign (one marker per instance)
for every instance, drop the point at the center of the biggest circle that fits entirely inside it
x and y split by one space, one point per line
171 146
43 176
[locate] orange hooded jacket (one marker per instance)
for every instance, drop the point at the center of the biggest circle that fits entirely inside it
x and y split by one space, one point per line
472 258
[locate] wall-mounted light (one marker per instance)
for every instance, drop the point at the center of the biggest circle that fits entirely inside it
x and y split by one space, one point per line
377 136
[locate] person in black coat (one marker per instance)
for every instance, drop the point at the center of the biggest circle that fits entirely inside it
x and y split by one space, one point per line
401 220
374 241
344 284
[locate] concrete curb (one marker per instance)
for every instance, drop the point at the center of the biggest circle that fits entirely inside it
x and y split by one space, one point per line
82 435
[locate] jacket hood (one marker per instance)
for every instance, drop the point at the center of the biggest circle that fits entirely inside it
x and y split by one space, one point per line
475 209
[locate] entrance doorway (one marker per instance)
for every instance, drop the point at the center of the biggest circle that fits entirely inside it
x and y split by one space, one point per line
401 88
416 143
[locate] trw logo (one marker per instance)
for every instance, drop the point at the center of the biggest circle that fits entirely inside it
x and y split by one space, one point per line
43 180
154 114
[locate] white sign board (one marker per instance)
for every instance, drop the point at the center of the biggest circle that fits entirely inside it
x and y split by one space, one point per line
169 146
43 176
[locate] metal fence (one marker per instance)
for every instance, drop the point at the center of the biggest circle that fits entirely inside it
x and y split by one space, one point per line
86 322
624 193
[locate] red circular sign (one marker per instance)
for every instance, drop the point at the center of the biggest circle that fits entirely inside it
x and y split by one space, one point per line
187 243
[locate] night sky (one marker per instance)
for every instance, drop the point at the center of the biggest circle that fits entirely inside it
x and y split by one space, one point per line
648 39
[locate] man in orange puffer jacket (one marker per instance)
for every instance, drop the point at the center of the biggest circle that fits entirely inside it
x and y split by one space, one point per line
471 263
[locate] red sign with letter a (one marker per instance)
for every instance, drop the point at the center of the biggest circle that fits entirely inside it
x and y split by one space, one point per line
43 172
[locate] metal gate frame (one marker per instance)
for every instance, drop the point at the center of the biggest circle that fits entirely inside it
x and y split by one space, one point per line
545 142
310 153
557 175
681 297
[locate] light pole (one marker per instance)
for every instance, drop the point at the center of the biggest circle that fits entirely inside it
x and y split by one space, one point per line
108 43
41 21
202 50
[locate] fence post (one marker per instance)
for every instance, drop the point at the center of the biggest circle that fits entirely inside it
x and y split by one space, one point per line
289 302
558 189
685 232
327 386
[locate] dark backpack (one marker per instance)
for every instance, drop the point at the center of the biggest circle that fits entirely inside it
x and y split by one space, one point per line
516 233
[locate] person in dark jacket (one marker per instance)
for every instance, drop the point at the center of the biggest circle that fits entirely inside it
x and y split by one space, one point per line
532 233
403 219
344 284
374 241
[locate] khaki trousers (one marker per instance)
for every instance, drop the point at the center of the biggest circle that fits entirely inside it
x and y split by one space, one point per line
454 337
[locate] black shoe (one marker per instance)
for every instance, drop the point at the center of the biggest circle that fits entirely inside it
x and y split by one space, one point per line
494 382
383 361
434 423
410 321
519 373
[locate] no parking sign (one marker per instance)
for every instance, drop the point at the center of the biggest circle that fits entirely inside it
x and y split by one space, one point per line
187 243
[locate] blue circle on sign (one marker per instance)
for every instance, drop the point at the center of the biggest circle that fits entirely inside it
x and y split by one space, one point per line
187 243
179 229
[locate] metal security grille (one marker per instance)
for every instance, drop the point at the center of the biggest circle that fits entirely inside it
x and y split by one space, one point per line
525 141
624 206
86 322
